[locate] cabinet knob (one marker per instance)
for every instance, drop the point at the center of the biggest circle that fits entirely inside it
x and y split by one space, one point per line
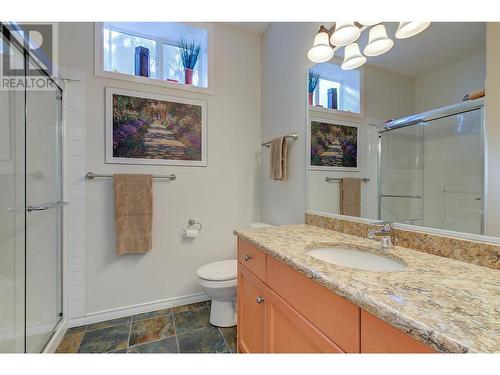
247 257
260 299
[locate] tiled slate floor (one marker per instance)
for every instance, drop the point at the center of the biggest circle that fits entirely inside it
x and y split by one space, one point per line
183 329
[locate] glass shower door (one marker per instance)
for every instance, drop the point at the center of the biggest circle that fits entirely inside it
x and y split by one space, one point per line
12 213
43 216
401 175
453 173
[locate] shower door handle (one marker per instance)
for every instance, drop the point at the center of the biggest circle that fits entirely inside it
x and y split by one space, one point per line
46 206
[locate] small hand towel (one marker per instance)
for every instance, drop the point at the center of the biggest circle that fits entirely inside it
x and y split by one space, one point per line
133 212
350 196
278 156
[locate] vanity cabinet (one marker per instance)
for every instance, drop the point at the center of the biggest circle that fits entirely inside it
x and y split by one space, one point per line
252 293
289 332
281 310
379 337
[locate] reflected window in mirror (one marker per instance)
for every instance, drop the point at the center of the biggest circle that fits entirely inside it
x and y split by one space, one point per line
334 89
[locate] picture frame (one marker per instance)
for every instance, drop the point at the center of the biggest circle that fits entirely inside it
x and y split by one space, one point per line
332 145
153 129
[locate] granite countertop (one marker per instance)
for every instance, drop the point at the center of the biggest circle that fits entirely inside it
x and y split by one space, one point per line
452 306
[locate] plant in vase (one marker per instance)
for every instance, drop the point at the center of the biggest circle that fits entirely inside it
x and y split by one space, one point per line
189 56
313 82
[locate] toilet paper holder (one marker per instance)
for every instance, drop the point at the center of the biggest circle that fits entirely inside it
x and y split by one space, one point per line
192 222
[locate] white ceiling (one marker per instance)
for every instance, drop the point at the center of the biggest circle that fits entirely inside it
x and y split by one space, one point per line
441 44
255 27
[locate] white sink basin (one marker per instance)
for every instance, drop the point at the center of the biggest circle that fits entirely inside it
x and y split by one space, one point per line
352 258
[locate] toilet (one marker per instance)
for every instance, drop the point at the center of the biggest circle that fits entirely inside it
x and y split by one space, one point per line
219 280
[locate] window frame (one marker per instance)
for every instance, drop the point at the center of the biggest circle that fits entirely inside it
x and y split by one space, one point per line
99 60
346 114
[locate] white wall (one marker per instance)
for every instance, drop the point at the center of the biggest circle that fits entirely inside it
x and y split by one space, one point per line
450 84
222 196
387 95
284 109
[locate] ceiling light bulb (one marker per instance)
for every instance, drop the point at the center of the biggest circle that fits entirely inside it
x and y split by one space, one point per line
352 57
321 50
345 33
378 42
409 29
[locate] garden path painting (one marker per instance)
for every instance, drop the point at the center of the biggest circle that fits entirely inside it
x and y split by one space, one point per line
145 128
333 145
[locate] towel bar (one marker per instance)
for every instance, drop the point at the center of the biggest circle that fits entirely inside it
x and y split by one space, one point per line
294 136
331 179
92 175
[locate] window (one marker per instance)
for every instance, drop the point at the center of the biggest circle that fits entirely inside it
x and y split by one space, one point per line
337 89
172 65
327 94
122 56
119 52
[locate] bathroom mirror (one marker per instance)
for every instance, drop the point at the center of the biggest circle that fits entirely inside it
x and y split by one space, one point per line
394 139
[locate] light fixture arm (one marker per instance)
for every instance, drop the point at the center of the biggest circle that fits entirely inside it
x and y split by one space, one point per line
331 30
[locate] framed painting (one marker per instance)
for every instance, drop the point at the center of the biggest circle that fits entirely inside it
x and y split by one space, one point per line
144 128
333 145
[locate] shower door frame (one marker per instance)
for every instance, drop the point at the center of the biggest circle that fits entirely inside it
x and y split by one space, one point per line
29 58
436 114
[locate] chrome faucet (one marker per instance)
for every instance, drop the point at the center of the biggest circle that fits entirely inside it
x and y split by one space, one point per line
383 231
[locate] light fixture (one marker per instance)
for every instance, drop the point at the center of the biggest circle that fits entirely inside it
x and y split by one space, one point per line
345 33
353 57
378 42
409 29
321 50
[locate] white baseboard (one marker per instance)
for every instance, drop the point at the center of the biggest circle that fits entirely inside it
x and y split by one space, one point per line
56 338
121 312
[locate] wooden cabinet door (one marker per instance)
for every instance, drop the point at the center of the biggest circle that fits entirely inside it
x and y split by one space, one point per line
251 312
289 332
379 337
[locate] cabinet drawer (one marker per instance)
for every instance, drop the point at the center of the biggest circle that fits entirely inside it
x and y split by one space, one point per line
379 337
333 315
253 259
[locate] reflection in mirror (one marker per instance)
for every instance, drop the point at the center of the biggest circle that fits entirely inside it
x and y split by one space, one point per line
417 155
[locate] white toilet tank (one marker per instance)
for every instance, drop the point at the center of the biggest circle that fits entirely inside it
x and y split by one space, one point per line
260 225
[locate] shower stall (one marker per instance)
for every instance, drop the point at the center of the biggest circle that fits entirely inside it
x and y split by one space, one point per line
30 206
431 169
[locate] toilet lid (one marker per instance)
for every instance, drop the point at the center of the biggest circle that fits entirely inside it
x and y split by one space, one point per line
218 271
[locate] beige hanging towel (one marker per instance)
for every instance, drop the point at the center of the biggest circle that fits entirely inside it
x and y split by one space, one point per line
278 156
350 196
133 212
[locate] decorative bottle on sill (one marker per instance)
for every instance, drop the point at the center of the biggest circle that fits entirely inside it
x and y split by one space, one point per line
188 76
332 98
141 67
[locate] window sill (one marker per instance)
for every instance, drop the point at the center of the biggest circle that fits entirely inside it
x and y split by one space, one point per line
335 112
155 82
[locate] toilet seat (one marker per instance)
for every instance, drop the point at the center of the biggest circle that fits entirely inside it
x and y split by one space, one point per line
225 270
218 284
